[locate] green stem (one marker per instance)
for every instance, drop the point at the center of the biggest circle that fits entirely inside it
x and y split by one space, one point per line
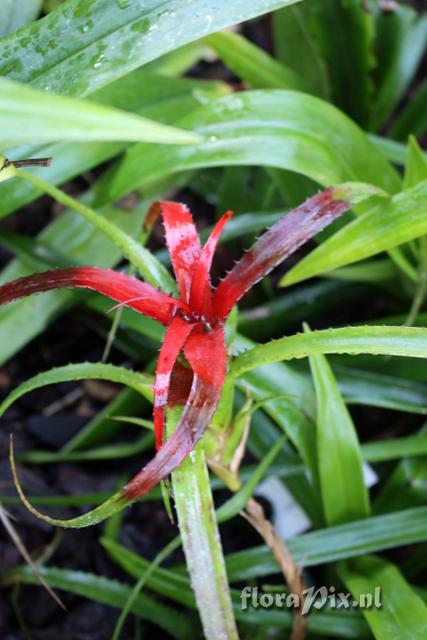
202 547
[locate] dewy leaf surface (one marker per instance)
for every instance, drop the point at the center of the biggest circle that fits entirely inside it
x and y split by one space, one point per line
106 40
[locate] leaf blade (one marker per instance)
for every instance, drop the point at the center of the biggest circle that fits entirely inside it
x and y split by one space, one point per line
397 341
343 490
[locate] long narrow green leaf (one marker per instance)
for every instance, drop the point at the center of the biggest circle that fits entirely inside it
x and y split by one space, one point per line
344 494
107 452
394 448
297 305
391 341
381 390
369 535
27 114
114 594
86 370
416 164
399 220
106 40
413 118
404 55
252 64
406 485
296 46
346 51
399 614
75 372
394 151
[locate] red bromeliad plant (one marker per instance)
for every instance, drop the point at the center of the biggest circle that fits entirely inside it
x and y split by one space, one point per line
195 321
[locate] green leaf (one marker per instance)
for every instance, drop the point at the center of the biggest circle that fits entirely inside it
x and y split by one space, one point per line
383 227
112 593
371 271
107 452
416 164
296 47
160 557
413 118
106 40
252 64
404 37
394 151
391 341
343 490
27 115
369 535
18 13
381 390
283 129
394 448
87 370
402 614
406 485
346 51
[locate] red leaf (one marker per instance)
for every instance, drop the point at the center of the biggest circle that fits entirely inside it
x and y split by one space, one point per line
197 415
183 244
201 292
118 286
207 356
176 334
276 244
206 353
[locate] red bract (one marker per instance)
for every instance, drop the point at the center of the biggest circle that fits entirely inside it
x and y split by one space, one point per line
195 321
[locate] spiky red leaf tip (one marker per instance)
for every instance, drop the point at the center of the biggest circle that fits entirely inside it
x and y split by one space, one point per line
276 244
